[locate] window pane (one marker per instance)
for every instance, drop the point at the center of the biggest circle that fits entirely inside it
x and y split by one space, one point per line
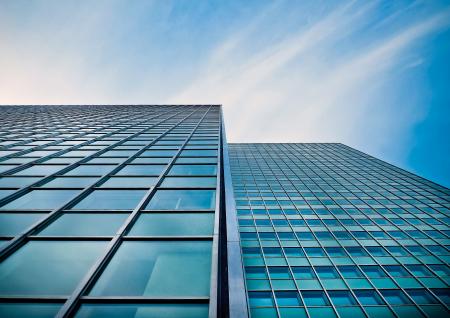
193 170
197 160
40 170
143 310
47 267
342 298
157 269
198 153
90 170
12 224
176 224
368 297
145 170
182 200
64 182
21 310
288 299
132 182
189 182
111 200
85 224
11 182
41 199
315 298
395 297
421 296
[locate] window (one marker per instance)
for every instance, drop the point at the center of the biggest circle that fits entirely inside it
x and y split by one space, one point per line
315 298
67 182
159 153
151 160
142 268
182 200
12 224
288 298
173 224
350 272
48 267
131 182
20 310
193 170
41 200
421 296
111 200
325 272
189 182
198 153
12 182
85 224
395 297
144 170
90 170
368 297
260 299
373 271
197 160
303 273
342 298
40 170
143 310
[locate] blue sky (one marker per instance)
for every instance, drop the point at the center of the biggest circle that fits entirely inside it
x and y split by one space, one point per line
371 74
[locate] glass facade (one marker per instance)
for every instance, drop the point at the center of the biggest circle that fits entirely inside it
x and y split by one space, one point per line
109 211
146 211
328 231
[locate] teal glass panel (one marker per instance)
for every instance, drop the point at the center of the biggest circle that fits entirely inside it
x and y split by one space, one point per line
153 268
198 153
85 224
173 224
395 297
131 182
193 170
111 200
142 311
189 182
5 193
368 297
40 170
41 199
12 224
342 298
315 298
159 153
90 170
287 298
48 267
66 182
4 168
182 200
151 160
27 310
421 296
145 170
197 160
16 182
260 299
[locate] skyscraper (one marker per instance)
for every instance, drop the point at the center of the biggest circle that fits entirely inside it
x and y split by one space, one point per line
147 211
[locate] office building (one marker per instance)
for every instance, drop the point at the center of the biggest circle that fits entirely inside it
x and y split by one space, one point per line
147 211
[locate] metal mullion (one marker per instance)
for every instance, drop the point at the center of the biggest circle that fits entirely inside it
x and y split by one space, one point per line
22 190
87 142
100 264
19 239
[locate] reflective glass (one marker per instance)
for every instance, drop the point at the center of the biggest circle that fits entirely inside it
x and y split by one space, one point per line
11 182
173 224
12 224
189 182
111 200
85 224
66 182
145 170
41 199
48 267
315 298
143 268
342 298
40 170
131 182
182 200
27 310
143 311
90 170
193 170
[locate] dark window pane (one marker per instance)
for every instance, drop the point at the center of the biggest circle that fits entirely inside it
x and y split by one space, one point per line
168 269
42 199
422 296
288 299
315 298
24 310
173 224
342 298
65 182
260 299
111 200
395 297
182 200
368 297
47 267
85 224
142 311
